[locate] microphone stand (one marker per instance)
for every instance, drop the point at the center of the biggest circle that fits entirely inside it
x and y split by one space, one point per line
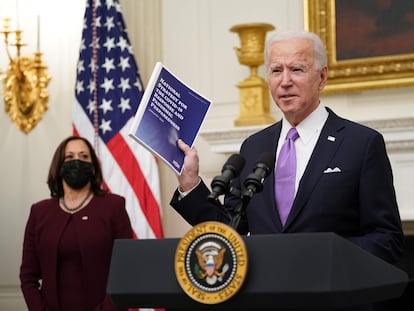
238 211
241 207
254 185
235 216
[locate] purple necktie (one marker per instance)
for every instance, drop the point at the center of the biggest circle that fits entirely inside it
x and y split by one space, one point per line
285 175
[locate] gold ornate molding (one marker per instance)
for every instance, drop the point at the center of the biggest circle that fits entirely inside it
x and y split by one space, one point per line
25 91
25 83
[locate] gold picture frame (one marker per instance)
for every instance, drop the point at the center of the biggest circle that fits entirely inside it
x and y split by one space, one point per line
366 72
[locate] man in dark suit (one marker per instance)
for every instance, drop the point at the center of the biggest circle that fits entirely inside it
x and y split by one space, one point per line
343 181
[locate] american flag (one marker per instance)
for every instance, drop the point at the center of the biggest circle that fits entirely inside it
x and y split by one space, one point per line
108 90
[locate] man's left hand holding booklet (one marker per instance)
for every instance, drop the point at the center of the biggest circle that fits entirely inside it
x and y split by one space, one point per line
169 110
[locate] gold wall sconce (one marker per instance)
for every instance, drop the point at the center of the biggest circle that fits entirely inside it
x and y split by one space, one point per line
254 92
25 81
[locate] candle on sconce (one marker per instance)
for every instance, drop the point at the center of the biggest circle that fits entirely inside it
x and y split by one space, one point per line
17 15
38 33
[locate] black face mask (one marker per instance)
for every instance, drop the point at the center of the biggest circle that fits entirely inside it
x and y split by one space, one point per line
76 173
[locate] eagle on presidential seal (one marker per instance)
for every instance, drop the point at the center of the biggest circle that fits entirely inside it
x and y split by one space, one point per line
210 256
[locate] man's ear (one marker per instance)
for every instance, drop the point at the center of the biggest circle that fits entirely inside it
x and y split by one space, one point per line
323 72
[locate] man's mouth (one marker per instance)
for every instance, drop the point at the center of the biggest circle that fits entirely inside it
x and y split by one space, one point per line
287 96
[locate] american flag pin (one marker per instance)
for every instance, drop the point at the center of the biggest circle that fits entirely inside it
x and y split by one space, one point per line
331 138
84 217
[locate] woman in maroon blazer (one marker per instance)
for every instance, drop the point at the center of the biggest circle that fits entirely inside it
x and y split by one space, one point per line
68 238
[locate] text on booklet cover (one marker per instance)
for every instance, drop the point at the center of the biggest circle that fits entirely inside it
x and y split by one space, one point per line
169 110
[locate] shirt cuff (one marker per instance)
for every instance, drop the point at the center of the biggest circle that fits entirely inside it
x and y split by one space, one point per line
182 194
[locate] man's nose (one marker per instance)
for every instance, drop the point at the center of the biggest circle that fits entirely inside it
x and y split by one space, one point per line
286 77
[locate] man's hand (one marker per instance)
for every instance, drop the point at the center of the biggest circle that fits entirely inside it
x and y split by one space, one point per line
189 177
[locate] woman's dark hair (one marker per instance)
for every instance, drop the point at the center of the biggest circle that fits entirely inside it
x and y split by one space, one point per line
54 179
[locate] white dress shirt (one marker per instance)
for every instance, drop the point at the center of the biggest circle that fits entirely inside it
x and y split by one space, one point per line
309 131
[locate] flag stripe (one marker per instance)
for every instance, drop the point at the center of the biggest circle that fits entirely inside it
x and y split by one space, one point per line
132 171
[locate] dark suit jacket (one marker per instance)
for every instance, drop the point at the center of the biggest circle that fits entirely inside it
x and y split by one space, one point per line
97 225
357 203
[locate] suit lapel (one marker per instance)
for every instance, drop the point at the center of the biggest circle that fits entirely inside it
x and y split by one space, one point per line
269 192
328 143
267 142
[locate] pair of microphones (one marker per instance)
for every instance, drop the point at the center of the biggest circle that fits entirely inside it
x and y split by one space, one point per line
232 168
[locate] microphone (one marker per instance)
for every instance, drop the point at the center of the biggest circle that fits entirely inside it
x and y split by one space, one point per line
262 169
231 169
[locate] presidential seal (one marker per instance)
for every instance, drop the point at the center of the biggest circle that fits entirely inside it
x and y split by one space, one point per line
211 262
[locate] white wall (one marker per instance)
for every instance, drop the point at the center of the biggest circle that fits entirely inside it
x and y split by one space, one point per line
192 38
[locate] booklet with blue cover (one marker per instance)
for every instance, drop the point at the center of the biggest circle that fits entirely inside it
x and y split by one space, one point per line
169 110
